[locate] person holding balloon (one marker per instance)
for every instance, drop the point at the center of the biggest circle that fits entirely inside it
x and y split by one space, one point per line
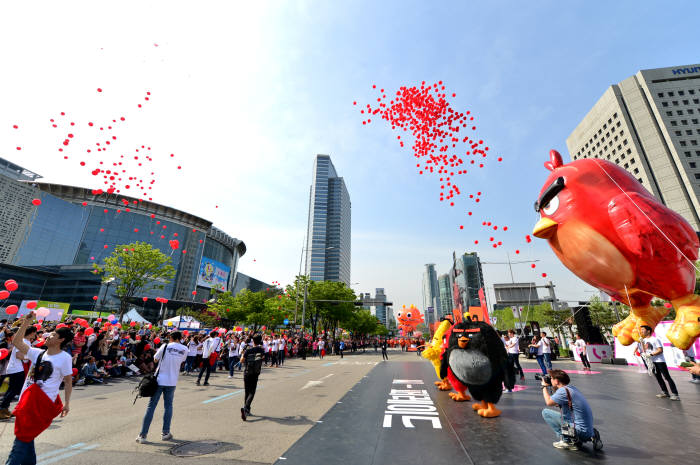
15 372
40 402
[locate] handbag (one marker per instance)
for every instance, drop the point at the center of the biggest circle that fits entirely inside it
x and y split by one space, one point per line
533 350
149 383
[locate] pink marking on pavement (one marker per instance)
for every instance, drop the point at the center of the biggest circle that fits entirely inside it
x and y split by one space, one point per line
578 372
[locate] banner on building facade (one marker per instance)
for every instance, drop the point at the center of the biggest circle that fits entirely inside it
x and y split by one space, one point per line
213 274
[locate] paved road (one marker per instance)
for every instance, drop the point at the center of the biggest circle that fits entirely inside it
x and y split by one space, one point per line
335 411
637 428
103 423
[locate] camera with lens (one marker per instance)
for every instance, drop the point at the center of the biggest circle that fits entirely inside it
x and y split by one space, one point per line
547 380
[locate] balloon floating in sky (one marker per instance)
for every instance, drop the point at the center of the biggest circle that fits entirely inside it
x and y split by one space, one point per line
612 233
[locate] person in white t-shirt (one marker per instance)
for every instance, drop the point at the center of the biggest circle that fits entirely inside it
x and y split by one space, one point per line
274 352
15 372
208 348
169 357
233 355
654 349
580 346
192 346
321 348
49 368
513 350
282 347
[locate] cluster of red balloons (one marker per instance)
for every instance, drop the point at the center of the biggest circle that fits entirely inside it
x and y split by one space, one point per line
442 139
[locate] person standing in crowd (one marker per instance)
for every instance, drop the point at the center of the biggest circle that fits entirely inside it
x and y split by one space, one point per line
233 355
15 372
169 357
208 350
282 348
253 360
302 347
191 354
341 348
655 350
513 350
580 413
691 356
547 351
385 356
539 355
321 348
49 368
580 345
274 352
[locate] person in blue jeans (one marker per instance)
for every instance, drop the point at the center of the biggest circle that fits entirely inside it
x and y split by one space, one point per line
539 355
546 351
169 357
580 414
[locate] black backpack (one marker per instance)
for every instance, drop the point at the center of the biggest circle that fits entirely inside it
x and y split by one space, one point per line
149 383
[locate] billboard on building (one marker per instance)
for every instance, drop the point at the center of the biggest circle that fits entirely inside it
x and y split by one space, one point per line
213 274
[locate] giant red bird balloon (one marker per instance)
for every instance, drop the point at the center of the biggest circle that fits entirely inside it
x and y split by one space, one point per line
612 233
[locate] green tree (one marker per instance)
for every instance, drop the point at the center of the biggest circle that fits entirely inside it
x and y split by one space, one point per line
505 319
136 268
333 303
225 307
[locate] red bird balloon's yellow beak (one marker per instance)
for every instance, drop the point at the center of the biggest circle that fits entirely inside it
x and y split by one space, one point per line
545 228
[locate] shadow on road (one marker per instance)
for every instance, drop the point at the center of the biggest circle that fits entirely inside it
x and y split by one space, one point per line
290 420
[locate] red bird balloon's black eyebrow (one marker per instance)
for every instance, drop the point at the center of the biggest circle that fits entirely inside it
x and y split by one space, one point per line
549 193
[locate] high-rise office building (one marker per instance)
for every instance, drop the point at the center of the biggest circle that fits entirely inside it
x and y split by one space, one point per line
431 294
328 233
17 209
649 125
445 292
468 278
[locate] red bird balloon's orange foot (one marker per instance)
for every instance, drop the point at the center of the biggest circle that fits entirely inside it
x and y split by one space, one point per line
686 327
459 396
444 385
480 406
627 331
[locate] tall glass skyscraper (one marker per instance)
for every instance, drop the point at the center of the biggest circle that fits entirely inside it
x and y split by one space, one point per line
431 294
328 233
445 292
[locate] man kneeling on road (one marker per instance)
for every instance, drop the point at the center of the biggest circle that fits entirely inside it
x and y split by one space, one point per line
574 423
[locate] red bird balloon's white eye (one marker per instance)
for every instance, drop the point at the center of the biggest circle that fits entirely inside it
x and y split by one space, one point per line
552 206
408 315
399 314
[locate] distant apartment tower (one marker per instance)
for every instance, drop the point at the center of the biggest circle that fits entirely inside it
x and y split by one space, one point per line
328 233
445 292
16 214
649 125
431 293
468 278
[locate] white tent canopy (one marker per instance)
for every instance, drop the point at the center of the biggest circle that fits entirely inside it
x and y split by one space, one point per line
133 315
182 322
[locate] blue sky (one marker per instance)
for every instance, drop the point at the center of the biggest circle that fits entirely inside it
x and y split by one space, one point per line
247 94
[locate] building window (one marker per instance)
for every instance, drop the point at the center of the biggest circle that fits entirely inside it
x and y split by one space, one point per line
618 124
680 92
687 154
627 165
673 123
697 152
636 171
628 152
605 126
632 161
675 103
683 144
697 175
678 133
617 161
660 94
679 112
693 142
690 111
669 113
694 121
685 102
670 94
696 100
640 181
684 122
691 164
664 104
688 132
691 92
615 115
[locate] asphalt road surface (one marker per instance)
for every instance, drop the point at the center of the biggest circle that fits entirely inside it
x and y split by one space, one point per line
337 411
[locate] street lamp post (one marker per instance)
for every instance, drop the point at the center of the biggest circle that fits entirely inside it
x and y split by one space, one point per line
109 282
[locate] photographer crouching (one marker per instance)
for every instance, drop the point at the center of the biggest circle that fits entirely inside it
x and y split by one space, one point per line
573 424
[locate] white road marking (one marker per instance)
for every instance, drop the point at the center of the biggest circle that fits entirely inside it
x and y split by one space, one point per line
315 383
67 455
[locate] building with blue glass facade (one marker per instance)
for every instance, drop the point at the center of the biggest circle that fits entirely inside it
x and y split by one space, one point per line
328 233
72 229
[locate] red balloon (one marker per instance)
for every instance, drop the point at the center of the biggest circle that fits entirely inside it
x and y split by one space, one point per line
89 331
75 371
156 340
4 353
36 202
11 285
194 292
11 310
145 299
99 320
147 347
4 295
31 305
94 297
132 324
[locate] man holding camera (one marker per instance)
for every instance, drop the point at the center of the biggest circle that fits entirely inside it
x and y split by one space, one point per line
574 423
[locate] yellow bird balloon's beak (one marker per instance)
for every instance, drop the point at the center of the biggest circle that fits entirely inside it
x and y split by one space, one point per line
545 228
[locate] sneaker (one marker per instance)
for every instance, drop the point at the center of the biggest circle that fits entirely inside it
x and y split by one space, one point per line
166 437
694 381
243 414
5 414
565 445
197 383
140 439
508 391
675 397
206 383
81 382
229 376
662 395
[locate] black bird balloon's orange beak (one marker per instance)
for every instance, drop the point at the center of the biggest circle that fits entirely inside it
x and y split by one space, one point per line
462 342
